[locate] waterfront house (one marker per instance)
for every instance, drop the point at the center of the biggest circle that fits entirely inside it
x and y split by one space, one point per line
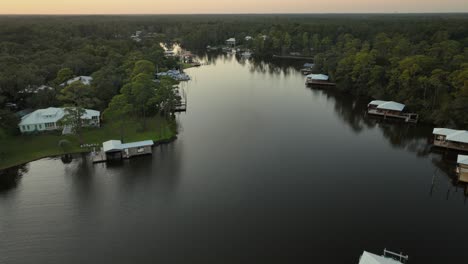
115 149
231 42
390 109
49 119
451 138
318 80
462 168
86 80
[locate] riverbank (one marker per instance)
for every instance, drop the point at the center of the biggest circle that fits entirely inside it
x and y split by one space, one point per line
22 149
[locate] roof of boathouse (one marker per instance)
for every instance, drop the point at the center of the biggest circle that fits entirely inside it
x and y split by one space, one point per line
462 159
452 134
369 258
116 145
388 105
319 77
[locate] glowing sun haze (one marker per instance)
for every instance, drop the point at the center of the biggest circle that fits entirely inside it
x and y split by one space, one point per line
227 6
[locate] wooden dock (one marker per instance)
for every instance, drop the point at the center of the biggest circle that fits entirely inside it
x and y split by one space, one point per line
451 145
319 84
182 107
99 156
407 117
293 57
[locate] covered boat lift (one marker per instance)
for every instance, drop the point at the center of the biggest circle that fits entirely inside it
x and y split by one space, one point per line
451 138
391 109
318 80
116 150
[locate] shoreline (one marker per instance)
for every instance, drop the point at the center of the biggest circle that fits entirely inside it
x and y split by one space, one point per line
156 144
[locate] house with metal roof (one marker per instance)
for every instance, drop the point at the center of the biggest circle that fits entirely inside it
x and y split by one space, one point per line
86 80
451 138
49 119
115 149
391 109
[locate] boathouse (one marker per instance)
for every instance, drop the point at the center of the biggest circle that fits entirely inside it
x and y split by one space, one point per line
231 42
318 80
390 109
115 149
462 168
451 138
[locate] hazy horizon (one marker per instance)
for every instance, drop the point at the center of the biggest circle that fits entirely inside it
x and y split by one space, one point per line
159 7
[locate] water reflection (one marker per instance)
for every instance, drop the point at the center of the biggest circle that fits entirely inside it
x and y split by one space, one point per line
11 178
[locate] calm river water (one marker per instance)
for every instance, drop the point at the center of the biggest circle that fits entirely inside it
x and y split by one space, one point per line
265 170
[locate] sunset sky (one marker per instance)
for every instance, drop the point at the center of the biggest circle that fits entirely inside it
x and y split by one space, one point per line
227 6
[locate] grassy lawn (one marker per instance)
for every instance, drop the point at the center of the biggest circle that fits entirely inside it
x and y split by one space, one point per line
21 149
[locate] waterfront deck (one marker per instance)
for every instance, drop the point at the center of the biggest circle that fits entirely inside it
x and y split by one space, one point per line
407 117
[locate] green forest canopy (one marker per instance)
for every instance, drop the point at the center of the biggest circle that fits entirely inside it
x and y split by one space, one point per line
419 60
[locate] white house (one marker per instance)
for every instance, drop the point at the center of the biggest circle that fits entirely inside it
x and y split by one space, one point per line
248 38
48 119
86 80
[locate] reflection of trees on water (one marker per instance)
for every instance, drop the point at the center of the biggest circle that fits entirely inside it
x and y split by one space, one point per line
410 137
10 178
256 65
445 176
352 111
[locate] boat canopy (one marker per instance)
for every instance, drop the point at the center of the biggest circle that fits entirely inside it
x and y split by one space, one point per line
388 105
116 145
318 77
460 136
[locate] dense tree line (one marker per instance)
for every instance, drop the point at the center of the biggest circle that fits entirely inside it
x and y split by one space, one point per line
420 60
37 51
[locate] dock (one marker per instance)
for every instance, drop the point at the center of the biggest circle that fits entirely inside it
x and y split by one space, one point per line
99 156
182 107
407 117
320 83
293 57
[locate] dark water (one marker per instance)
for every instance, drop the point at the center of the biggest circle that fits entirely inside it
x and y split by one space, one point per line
265 171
